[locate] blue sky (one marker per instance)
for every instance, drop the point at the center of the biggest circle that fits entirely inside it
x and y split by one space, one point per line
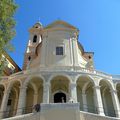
97 20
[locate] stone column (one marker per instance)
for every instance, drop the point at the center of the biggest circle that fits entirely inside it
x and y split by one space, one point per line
85 108
73 92
98 100
46 91
115 102
21 101
4 103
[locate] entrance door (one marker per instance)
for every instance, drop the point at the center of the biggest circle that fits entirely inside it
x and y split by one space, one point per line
59 98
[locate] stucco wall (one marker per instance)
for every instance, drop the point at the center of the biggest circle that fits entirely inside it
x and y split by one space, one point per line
56 36
61 115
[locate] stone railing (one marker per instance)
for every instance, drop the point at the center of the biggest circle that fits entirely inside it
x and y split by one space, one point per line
90 116
93 71
70 68
57 69
116 77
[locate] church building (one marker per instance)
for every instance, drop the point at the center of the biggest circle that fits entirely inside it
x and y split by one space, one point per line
59 75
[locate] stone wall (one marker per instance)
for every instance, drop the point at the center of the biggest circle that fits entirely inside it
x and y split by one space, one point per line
61 112
64 115
90 116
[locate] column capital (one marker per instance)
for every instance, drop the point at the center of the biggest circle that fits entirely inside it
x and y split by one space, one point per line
36 93
73 84
47 84
6 92
23 87
83 94
113 91
96 87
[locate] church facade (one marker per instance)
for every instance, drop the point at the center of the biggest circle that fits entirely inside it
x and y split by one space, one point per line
57 69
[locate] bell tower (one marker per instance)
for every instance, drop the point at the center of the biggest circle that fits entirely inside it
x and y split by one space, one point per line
34 39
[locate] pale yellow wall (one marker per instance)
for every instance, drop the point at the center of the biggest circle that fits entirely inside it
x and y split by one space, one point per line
53 38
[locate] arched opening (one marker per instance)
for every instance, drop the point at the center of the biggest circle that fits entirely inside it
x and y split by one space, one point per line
29 99
90 98
13 100
118 91
79 92
85 94
59 89
59 97
35 39
107 98
34 93
1 94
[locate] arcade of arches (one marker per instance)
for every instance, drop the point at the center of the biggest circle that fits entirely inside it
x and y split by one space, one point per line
101 98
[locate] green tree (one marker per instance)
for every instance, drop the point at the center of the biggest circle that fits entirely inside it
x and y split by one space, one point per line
7 25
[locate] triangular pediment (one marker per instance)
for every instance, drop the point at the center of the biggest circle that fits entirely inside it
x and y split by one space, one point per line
60 24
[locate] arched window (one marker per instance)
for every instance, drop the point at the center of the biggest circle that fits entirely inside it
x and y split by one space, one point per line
35 39
29 58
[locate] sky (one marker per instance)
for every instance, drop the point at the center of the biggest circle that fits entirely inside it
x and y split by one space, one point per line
97 20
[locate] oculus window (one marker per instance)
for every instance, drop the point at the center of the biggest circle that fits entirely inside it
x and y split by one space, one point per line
59 50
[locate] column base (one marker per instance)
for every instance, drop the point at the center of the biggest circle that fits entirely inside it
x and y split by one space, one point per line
19 112
118 115
101 114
